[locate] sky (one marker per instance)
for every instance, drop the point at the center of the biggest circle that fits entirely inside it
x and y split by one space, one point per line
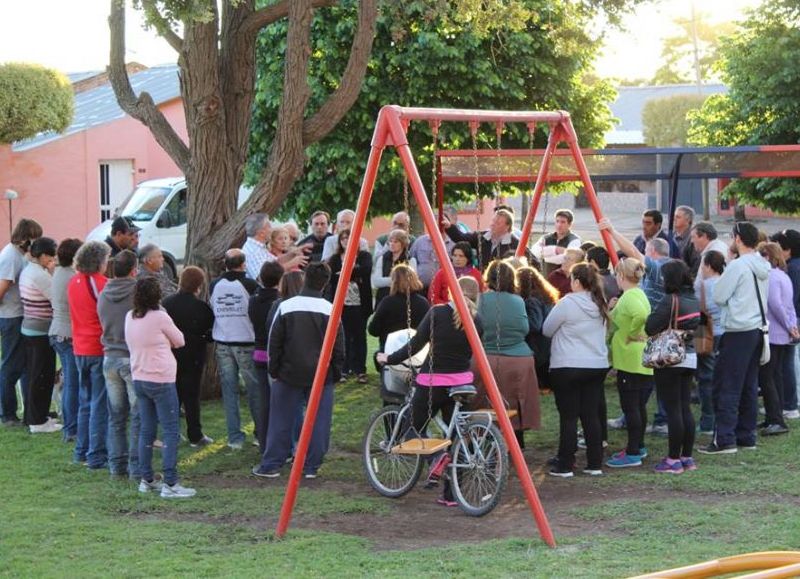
72 36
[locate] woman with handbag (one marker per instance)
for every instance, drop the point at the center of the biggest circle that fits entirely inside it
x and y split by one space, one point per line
634 381
678 311
782 320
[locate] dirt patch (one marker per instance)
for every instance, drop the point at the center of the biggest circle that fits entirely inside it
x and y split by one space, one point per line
416 521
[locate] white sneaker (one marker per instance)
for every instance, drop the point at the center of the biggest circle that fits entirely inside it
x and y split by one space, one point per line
155 486
176 491
235 445
47 427
791 414
205 441
616 423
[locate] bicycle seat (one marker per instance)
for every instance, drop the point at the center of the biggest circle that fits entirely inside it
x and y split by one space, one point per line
463 393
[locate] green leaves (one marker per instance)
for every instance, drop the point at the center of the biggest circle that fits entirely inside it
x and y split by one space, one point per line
33 99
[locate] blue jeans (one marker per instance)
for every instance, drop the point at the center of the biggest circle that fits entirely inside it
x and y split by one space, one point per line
69 385
123 452
790 379
735 391
231 362
705 380
285 402
12 367
90 444
158 404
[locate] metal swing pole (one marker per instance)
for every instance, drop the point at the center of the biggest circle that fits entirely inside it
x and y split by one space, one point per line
378 143
541 181
400 143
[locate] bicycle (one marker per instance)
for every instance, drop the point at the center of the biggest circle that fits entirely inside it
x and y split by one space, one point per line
478 469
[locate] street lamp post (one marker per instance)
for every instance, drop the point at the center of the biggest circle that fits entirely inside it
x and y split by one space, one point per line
10 195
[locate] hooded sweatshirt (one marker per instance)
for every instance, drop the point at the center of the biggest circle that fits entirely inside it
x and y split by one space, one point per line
578 333
735 293
114 302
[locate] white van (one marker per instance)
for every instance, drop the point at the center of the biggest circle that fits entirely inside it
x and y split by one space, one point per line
158 207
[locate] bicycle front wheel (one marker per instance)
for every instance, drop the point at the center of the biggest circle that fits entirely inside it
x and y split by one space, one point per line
392 475
479 470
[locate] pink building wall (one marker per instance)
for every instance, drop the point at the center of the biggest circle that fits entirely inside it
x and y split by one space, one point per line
58 182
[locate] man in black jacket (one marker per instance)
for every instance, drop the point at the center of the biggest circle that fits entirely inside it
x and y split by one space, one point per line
319 233
295 346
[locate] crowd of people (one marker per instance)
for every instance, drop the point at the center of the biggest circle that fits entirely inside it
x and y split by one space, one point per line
132 343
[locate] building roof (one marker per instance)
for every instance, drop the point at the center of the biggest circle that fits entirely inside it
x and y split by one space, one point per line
630 103
98 106
79 76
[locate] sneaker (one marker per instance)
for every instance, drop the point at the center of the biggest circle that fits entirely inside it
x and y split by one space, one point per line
582 443
561 472
257 471
46 428
669 467
657 429
617 423
791 414
437 469
552 461
158 444
255 443
593 471
362 379
705 432
643 452
712 448
235 445
176 491
688 463
153 486
310 475
774 429
746 445
623 460
205 441
446 503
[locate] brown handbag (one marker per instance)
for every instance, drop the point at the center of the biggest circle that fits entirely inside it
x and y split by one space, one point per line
704 334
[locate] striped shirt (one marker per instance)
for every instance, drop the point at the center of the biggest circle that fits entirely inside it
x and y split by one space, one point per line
255 254
35 285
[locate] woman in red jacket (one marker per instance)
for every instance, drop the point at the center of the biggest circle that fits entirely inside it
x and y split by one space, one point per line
461 256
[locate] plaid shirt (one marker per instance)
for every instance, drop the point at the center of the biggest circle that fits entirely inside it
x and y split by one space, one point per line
255 253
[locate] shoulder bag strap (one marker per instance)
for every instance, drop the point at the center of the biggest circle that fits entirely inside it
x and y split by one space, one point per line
702 295
673 313
760 303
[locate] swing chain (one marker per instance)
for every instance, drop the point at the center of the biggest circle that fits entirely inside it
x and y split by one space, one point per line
473 129
546 198
498 170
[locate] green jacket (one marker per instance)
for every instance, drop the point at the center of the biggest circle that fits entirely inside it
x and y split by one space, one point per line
513 324
627 332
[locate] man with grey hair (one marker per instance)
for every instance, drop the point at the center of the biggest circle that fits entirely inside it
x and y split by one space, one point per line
682 223
400 220
258 228
704 239
151 260
344 220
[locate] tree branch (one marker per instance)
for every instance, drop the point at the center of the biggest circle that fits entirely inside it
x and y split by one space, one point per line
142 108
343 98
162 26
274 12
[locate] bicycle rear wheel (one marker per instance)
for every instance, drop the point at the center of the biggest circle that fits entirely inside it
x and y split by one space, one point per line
479 470
392 475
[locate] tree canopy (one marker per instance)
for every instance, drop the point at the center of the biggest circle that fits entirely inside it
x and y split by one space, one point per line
33 99
759 64
432 60
665 121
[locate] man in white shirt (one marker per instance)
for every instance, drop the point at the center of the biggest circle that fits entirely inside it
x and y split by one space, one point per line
258 228
704 239
550 249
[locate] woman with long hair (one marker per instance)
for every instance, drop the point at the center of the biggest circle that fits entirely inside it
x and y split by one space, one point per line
461 256
782 320
578 365
506 328
195 319
634 381
151 335
357 305
674 383
391 314
539 297
448 366
396 254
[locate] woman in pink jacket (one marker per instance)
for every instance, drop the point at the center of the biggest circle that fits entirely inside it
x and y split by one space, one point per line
151 334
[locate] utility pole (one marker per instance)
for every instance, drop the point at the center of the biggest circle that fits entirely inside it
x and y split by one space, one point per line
698 80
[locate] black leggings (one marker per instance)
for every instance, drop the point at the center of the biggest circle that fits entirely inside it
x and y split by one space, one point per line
771 380
578 395
440 401
674 387
634 390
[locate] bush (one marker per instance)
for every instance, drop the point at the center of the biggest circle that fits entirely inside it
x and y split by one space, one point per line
33 99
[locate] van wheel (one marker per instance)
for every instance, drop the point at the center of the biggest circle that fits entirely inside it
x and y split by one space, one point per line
170 269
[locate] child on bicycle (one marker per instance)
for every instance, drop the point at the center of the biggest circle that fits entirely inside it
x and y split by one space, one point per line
447 367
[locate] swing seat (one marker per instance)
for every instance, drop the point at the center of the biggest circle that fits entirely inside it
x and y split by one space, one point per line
421 446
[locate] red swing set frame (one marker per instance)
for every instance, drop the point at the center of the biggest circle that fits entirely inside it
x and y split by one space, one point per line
390 130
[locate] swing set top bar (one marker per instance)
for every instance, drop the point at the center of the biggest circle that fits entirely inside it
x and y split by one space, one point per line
467 115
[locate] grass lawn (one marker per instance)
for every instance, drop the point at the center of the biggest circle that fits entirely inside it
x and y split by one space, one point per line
59 519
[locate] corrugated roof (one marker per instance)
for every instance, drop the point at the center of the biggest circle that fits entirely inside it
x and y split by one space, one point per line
630 103
99 106
79 76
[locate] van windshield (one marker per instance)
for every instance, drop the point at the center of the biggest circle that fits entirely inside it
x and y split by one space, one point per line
145 202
